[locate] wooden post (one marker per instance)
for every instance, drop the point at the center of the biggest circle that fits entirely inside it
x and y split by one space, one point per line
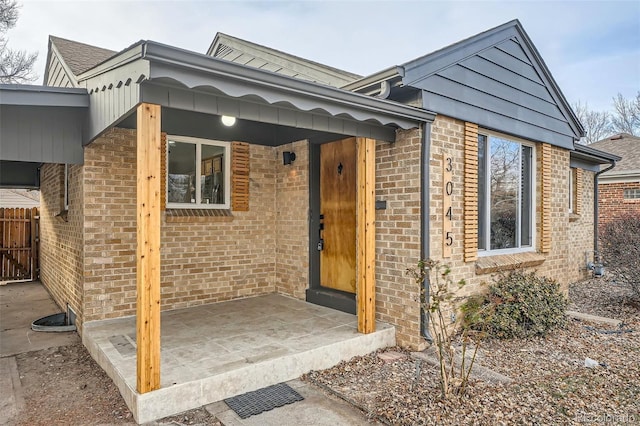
148 248
366 235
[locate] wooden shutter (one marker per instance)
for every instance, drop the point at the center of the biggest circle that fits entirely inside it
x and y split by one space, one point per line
577 204
240 176
163 172
545 196
470 192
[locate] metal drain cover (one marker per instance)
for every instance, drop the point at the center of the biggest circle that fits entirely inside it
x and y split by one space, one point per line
265 399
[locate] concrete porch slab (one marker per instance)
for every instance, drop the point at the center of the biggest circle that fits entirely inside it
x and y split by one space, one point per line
213 352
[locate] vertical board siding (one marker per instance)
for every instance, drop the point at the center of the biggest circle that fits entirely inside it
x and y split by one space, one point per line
470 192
18 249
41 134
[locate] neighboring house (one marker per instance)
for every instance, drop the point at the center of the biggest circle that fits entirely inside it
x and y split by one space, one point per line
619 189
19 198
466 155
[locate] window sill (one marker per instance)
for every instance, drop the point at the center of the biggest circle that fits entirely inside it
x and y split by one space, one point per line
507 262
198 215
573 217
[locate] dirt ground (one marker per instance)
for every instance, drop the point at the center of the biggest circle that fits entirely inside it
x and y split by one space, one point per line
65 386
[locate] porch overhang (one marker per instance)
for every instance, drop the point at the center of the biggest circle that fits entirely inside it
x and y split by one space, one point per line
39 124
180 80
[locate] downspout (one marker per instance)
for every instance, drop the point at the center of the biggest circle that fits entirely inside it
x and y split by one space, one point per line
596 253
425 155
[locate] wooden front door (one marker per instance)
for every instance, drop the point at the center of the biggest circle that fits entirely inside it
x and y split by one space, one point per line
338 215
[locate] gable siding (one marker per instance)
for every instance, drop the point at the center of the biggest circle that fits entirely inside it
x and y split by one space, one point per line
57 76
499 88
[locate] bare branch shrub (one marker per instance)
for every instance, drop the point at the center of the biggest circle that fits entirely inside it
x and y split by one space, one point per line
454 369
620 249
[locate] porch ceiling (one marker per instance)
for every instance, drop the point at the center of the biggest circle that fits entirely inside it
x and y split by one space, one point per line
207 126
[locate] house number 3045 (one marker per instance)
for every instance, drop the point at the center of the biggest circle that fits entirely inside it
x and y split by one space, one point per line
447 205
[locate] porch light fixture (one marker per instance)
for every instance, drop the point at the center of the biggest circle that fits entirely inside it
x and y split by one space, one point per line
288 157
228 120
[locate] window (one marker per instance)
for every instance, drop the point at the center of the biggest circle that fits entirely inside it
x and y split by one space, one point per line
572 190
198 174
631 194
505 195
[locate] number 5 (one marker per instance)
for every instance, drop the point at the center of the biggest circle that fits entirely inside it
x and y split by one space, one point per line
449 238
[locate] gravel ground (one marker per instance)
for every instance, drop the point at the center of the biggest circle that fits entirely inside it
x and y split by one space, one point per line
551 384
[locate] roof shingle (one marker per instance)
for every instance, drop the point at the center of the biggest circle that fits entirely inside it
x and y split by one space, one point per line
624 145
80 57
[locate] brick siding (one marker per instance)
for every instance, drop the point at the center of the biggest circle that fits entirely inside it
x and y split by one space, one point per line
612 204
565 237
292 224
265 249
398 235
61 236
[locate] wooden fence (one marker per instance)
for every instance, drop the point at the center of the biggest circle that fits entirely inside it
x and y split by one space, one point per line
19 244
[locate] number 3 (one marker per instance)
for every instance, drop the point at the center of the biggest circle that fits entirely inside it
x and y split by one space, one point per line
449 164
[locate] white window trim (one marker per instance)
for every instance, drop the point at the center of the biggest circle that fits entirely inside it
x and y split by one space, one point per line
571 190
633 192
534 199
227 173
66 187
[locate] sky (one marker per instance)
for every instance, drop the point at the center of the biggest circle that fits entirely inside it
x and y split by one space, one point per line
592 48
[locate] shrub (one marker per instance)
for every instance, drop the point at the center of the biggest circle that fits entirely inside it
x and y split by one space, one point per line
455 369
620 244
517 305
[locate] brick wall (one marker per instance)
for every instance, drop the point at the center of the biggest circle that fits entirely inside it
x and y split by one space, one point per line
61 236
611 202
398 235
581 231
265 249
110 226
292 221
203 261
448 139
